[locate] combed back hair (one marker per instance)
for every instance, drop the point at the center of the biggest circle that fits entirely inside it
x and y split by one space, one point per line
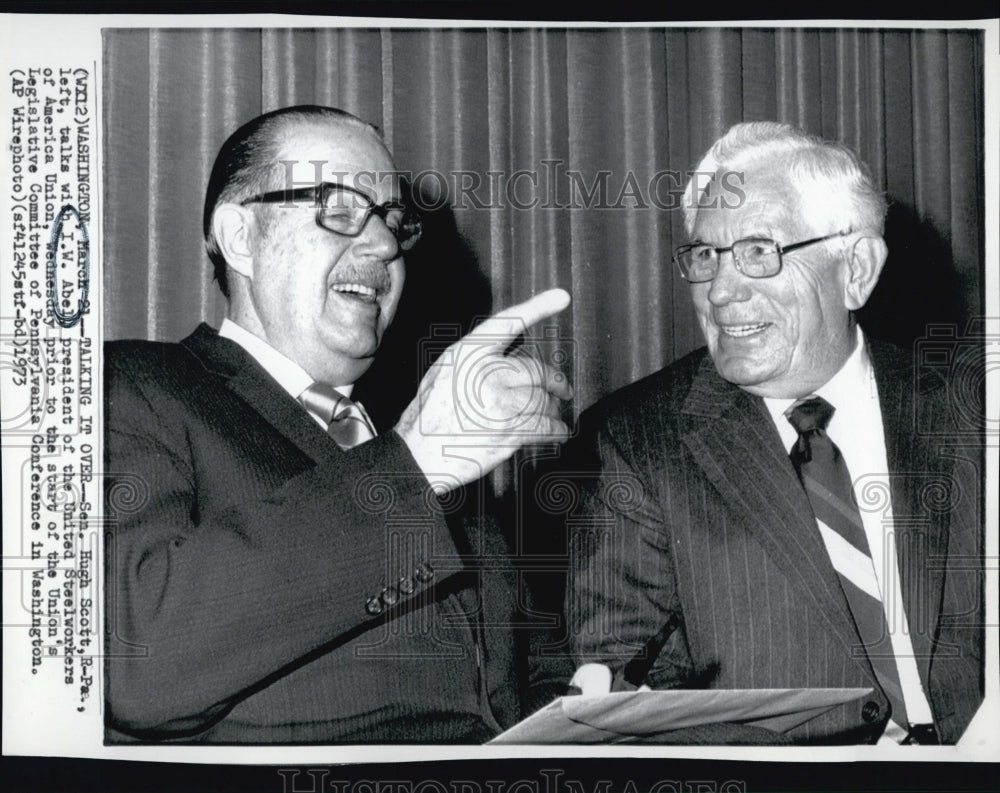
836 187
247 161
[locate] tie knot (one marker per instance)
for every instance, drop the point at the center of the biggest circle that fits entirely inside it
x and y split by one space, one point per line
325 401
346 422
810 414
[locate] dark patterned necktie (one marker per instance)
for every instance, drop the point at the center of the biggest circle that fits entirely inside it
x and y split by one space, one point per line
827 481
346 423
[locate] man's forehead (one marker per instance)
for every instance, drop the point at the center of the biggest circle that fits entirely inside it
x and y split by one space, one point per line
331 151
748 200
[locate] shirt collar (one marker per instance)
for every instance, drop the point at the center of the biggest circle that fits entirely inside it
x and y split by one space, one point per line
289 375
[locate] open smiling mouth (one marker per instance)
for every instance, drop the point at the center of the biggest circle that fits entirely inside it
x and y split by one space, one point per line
741 331
359 292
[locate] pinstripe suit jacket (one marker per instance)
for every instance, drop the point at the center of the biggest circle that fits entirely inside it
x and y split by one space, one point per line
697 509
265 586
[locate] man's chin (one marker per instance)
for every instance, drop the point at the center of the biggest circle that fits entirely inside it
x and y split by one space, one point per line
744 372
345 354
360 355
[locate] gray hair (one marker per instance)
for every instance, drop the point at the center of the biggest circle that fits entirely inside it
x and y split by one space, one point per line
835 185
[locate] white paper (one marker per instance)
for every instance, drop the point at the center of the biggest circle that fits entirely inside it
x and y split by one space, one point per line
633 714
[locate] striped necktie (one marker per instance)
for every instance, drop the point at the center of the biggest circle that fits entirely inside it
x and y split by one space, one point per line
346 424
827 481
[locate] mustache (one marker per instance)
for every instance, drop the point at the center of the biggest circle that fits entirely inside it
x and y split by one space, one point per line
374 275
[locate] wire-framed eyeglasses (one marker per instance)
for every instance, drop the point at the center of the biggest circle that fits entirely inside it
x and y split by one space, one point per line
344 210
755 257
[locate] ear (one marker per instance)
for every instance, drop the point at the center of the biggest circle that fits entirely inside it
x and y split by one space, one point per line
865 261
234 226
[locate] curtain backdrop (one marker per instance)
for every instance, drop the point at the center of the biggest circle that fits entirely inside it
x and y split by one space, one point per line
614 106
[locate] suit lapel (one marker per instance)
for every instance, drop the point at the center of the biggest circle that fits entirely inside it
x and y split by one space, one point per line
732 438
248 380
918 472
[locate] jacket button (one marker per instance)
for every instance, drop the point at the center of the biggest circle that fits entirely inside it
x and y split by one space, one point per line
424 572
871 712
374 606
390 596
405 585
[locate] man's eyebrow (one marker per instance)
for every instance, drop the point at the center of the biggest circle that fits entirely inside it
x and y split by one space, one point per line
700 241
365 190
349 187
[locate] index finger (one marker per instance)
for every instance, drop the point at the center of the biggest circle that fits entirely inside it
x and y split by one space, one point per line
505 326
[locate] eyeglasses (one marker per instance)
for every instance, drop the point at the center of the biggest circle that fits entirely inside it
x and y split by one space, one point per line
755 257
344 210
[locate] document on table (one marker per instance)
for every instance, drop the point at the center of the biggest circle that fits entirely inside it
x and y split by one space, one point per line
631 715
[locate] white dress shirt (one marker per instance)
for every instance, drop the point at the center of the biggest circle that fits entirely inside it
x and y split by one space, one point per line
290 376
856 428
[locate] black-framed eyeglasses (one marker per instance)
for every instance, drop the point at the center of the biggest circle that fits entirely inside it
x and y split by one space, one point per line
755 257
344 210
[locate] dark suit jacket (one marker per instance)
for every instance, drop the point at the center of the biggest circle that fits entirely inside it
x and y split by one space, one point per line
697 510
265 586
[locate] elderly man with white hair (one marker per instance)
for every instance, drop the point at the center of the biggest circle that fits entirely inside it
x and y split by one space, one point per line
760 514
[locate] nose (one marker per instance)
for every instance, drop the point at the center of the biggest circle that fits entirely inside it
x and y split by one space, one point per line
729 284
377 240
